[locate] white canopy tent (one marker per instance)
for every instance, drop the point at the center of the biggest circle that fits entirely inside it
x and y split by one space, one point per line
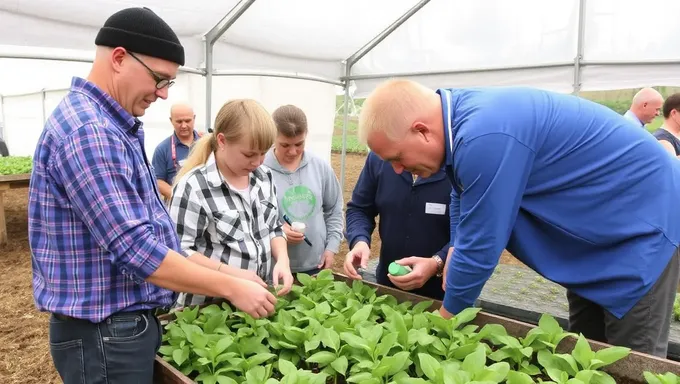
305 48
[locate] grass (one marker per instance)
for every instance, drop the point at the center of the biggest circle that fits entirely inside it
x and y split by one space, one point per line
616 100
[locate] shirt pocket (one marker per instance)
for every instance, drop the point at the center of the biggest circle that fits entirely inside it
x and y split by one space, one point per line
269 213
228 226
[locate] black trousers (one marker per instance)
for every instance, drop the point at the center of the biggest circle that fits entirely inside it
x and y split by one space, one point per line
120 349
645 328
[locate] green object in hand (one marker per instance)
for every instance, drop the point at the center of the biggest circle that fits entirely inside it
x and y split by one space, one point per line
398 270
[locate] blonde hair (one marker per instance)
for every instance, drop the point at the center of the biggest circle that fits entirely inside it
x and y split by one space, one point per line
235 120
392 107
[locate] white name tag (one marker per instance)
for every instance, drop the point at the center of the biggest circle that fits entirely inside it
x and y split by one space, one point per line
181 162
435 208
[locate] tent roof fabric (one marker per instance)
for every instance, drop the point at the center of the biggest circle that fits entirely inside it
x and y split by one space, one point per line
445 43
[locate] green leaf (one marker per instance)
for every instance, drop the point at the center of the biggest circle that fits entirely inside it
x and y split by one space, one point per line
422 306
355 341
304 279
223 344
548 324
361 315
322 358
515 377
609 356
363 377
495 373
396 363
340 365
286 367
179 356
476 361
226 380
259 359
430 366
582 352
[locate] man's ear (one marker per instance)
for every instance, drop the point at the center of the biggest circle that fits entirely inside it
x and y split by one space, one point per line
421 129
117 58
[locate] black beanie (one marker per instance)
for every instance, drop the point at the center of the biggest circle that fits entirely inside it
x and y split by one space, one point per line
141 31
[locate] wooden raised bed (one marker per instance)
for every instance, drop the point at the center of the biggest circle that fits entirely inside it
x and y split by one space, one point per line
627 370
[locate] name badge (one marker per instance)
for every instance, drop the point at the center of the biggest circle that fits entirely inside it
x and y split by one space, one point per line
181 162
435 208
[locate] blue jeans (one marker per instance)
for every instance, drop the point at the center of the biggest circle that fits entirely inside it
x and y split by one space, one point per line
120 349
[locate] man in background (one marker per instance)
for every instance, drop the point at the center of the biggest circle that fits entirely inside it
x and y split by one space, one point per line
170 154
646 105
414 226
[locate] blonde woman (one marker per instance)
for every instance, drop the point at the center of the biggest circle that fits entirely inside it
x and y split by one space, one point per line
308 193
224 204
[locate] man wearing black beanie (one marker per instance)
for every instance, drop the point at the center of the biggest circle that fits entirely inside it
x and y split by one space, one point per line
105 253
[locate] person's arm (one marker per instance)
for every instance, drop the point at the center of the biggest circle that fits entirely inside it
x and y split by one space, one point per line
668 147
161 170
332 209
361 209
164 188
493 170
95 170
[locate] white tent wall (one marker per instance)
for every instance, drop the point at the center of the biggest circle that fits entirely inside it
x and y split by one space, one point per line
23 115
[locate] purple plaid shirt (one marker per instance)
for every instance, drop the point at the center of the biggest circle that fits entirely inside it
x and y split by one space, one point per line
97 227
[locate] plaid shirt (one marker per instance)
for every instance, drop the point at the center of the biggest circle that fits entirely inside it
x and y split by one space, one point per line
97 227
214 221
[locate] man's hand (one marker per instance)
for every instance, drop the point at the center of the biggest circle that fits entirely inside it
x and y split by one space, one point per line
423 268
326 260
358 256
243 274
251 298
294 237
282 272
445 314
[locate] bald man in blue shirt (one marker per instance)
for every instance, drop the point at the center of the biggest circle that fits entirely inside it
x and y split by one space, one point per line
562 182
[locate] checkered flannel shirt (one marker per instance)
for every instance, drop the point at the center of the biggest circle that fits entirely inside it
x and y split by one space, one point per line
213 220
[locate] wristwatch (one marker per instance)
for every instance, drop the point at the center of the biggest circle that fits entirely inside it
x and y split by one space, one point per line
440 265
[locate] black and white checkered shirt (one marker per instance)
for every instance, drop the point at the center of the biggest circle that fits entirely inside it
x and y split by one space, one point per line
214 220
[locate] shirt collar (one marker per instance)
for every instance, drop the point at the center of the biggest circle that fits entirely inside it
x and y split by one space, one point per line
633 117
178 141
121 117
447 115
215 179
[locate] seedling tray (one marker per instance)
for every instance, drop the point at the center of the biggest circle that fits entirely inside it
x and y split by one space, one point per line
627 370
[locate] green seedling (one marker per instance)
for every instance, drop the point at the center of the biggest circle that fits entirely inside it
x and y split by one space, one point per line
327 331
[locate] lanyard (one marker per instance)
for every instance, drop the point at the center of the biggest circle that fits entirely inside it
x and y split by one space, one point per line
174 150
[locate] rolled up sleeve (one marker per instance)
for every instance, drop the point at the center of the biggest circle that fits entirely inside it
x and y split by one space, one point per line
94 168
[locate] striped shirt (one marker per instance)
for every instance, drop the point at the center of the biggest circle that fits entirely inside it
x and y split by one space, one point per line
215 220
97 227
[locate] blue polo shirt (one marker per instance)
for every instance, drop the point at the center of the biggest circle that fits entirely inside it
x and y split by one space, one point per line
163 164
414 218
566 186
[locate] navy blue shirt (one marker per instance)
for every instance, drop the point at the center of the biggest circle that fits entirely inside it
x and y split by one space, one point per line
566 186
164 166
414 218
662 134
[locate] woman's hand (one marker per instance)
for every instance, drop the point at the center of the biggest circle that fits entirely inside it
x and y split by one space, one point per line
282 273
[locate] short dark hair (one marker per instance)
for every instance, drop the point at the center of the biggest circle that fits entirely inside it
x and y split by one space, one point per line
671 103
290 120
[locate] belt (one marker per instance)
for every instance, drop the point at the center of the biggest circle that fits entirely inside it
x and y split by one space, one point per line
147 312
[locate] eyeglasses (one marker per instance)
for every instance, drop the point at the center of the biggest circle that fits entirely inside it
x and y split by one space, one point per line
161 82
